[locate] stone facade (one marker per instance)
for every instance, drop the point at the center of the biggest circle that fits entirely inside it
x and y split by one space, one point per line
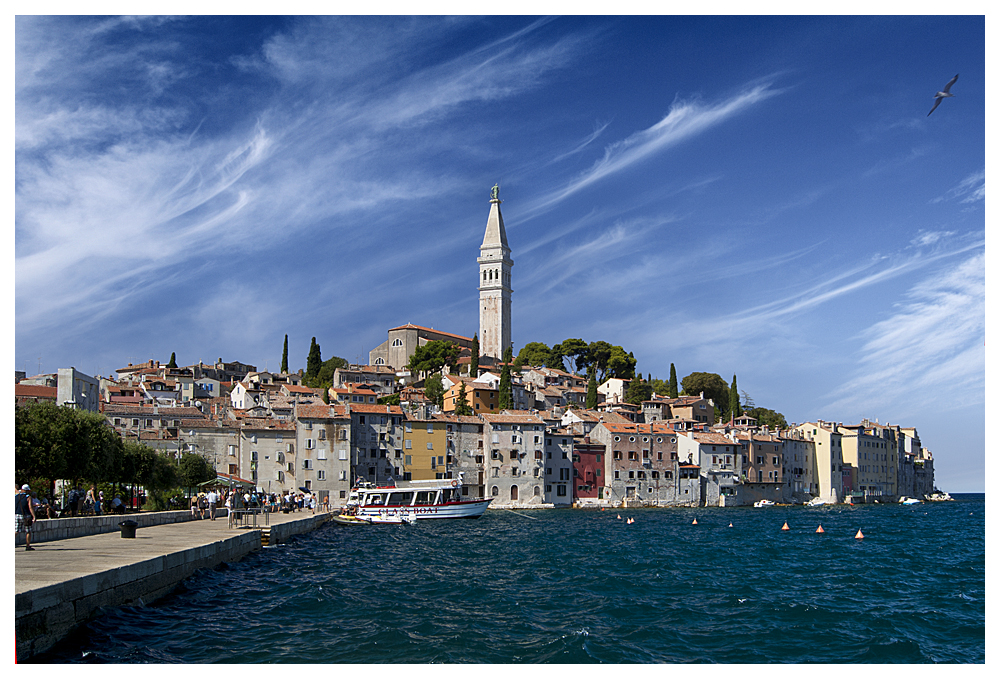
494 286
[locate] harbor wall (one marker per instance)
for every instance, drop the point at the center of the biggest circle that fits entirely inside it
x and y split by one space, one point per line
44 616
45 530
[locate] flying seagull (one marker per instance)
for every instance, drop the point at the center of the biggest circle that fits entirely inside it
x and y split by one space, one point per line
946 92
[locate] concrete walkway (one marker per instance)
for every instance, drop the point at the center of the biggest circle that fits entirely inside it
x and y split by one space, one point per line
61 560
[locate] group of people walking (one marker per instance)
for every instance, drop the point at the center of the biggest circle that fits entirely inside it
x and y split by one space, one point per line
206 504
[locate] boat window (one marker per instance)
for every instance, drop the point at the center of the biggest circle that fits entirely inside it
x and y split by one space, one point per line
425 497
398 499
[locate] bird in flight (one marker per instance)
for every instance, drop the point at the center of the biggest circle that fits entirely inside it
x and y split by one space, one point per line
946 92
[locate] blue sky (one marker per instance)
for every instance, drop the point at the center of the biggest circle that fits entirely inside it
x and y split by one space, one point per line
764 196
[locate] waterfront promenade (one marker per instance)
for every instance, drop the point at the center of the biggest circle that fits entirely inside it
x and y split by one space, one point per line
62 583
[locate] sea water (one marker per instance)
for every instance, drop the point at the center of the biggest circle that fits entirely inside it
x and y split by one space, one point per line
584 586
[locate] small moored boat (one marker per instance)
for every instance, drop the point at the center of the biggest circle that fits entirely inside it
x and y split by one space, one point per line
763 503
909 501
409 501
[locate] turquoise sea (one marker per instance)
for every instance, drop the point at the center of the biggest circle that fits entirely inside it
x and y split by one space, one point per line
575 586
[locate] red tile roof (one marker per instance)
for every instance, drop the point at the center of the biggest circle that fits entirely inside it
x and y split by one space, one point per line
512 417
410 326
34 391
366 408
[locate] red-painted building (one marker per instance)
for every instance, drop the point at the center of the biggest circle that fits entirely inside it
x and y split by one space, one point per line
588 470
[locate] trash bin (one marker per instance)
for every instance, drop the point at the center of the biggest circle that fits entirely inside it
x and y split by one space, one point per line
128 528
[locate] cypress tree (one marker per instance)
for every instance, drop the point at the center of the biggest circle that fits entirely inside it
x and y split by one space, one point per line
284 357
592 391
462 406
506 387
314 361
734 399
173 360
672 392
474 366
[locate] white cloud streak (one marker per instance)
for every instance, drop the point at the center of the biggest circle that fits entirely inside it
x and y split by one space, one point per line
931 347
685 119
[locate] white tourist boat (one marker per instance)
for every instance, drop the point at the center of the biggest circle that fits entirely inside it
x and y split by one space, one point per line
408 502
909 501
816 502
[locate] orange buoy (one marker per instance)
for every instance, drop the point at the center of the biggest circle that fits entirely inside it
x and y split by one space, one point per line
695 522
730 524
820 529
859 535
619 516
785 527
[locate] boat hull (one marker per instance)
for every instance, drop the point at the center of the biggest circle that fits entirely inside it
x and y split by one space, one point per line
455 510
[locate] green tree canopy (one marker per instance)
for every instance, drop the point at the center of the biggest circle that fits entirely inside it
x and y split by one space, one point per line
194 469
591 392
462 406
620 364
434 390
506 398
712 385
638 391
474 365
314 361
734 400
574 354
433 356
390 400
672 392
659 387
533 354
326 370
768 417
173 360
284 357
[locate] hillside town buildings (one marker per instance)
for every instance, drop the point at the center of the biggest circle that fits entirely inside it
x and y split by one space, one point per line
549 450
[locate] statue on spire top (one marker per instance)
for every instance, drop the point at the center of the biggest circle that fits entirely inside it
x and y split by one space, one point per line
495 192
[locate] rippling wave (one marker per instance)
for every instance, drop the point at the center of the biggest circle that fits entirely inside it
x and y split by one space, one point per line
575 586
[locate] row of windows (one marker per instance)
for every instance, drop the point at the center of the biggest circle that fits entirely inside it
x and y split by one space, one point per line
645 439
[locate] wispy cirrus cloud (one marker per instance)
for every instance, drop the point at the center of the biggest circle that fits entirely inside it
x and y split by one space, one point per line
933 344
685 119
972 189
131 188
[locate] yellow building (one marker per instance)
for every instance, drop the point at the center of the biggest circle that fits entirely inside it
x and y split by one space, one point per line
480 397
872 450
425 450
828 459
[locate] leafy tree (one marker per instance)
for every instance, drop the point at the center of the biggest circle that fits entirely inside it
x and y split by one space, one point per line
638 391
314 361
506 401
672 392
712 385
748 403
734 399
434 390
284 357
575 351
173 360
324 377
598 355
555 359
659 387
433 356
462 406
620 364
768 417
533 354
390 400
194 469
474 365
591 392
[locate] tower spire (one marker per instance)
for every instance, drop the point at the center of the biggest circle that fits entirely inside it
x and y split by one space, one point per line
494 283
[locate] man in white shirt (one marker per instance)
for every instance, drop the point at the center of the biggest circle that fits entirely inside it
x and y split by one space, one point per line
213 499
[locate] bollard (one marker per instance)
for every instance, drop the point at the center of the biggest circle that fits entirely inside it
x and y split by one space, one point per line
128 528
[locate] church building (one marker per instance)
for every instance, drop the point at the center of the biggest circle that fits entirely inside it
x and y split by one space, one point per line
494 305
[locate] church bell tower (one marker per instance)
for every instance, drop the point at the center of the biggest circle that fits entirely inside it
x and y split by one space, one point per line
494 284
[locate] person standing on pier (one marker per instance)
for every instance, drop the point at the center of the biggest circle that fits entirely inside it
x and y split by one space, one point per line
24 516
213 499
